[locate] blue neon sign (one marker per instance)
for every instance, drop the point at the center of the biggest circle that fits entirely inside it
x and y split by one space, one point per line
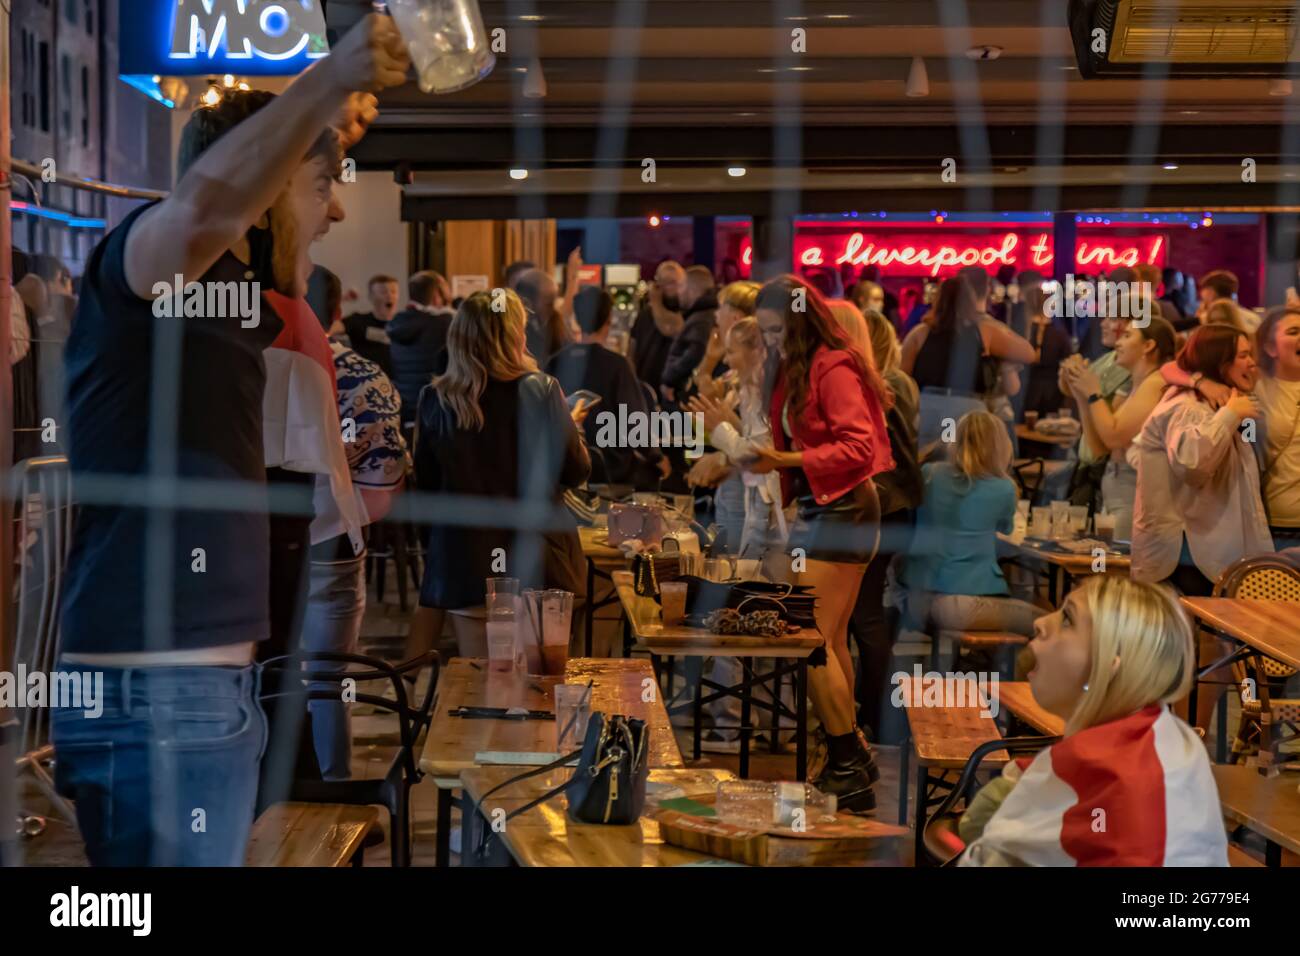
203 37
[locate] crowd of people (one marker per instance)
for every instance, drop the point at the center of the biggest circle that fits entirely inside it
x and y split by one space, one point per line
813 392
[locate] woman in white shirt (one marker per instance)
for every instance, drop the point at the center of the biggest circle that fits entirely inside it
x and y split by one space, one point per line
737 425
1198 506
1142 350
1278 391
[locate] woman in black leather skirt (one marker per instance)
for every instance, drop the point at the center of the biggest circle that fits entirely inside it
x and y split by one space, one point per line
828 425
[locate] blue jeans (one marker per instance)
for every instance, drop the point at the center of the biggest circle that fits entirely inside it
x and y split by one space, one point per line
729 510
167 774
336 602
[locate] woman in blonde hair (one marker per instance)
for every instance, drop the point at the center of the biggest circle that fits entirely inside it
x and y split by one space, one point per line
1130 783
952 571
493 426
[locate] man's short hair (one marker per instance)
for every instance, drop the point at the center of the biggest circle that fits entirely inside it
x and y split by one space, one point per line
380 279
1122 274
1222 282
207 124
592 308
516 269
423 286
700 277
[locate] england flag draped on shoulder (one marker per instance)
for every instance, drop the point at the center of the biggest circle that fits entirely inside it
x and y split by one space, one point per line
1131 792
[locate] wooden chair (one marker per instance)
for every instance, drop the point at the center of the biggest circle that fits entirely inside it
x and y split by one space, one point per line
940 844
311 834
1269 577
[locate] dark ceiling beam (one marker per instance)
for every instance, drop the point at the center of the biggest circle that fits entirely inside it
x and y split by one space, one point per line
563 14
918 147
1005 199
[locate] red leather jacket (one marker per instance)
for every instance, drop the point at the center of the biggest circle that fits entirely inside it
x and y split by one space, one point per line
841 432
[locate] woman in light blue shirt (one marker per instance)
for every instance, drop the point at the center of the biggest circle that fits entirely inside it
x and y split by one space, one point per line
953 578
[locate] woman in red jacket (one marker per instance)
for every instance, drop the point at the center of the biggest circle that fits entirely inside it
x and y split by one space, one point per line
828 425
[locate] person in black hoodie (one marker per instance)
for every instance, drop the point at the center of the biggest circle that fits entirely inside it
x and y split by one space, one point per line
417 336
700 311
588 364
495 432
368 331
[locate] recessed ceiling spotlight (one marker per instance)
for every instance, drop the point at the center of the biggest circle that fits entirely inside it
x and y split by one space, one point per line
518 174
1170 166
986 52
735 172
1069 66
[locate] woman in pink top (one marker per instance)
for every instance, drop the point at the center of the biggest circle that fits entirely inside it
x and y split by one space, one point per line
828 425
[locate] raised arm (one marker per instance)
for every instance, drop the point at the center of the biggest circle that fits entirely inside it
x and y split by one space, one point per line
232 184
1005 344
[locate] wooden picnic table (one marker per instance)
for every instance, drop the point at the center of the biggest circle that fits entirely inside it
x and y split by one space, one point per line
545 836
1017 697
645 621
1064 564
1272 627
1025 433
602 559
1269 806
456 744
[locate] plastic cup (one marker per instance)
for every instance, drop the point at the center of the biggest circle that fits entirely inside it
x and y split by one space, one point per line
557 616
1105 526
446 40
1041 525
1031 419
572 711
1078 518
672 595
501 646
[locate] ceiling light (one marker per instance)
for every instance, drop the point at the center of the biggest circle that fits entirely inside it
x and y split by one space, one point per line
535 80
1170 166
210 97
735 172
654 222
986 52
1279 87
228 80
918 81
518 174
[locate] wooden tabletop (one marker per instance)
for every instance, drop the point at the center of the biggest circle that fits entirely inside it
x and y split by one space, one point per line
946 736
1270 806
544 835
598 551
1268 626
455 744
646 620
1076 564
1025 433
1016 697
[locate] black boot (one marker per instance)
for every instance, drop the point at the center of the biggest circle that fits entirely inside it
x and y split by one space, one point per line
850 783
872 770
847 774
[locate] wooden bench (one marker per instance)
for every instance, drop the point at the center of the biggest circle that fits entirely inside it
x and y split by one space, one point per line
944 737
1239 857
999 643
311 834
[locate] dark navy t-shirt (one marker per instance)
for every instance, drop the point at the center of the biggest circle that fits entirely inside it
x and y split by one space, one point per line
208 417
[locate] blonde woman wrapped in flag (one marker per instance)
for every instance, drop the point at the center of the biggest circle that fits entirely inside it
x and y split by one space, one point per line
1129 784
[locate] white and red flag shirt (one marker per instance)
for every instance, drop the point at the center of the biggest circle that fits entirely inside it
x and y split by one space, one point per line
1131 792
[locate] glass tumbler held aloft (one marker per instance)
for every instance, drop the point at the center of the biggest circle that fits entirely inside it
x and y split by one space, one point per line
447 42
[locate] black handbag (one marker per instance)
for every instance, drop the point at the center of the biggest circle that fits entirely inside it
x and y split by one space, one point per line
795 604
609 783
648 570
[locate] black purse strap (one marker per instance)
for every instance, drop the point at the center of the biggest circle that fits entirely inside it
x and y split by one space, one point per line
488 832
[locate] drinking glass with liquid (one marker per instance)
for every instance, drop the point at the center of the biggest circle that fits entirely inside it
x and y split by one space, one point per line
502 622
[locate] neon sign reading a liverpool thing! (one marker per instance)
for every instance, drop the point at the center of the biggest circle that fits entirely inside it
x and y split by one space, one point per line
247 29
946 254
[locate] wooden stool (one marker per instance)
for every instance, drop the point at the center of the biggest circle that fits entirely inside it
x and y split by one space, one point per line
311 834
